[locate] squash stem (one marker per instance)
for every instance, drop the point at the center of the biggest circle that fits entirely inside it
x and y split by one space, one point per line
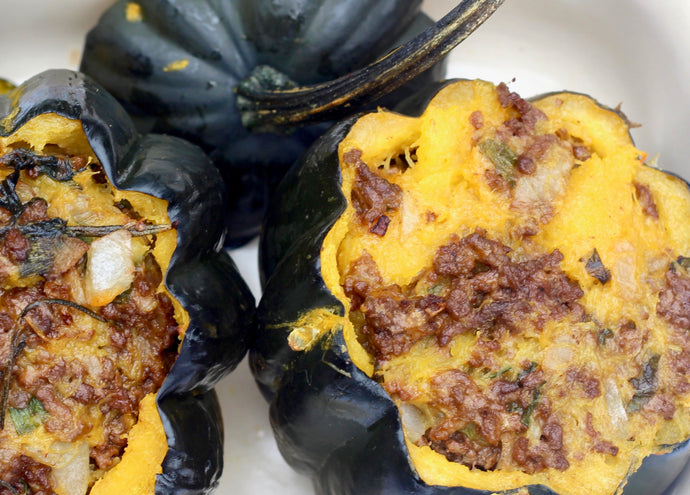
269 101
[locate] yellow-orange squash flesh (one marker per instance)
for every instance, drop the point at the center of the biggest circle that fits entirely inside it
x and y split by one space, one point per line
591 191
81 343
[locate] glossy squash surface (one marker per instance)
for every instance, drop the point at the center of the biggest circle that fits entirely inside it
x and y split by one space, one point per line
175 66
123 239
490 292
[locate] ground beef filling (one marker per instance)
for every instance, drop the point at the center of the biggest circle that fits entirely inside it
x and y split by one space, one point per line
479 306
488 415
372 196
475 286
124 355
674 299
481 426
23 473
674 307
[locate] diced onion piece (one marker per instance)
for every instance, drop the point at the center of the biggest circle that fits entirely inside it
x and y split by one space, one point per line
624 271
534 432
69 461
614 404
109 268
71 471
546 183
414 420
558 357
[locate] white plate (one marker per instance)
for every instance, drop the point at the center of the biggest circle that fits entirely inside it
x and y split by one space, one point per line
628 52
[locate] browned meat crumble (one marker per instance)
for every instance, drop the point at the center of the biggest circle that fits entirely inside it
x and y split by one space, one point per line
36 316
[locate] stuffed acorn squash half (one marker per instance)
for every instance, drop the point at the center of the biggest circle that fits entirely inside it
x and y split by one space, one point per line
111 269
492 296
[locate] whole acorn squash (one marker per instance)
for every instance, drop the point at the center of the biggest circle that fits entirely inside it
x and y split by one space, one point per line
176 65
479 294
120 308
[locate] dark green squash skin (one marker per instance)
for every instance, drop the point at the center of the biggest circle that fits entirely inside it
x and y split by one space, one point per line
223 40
332 422
201 276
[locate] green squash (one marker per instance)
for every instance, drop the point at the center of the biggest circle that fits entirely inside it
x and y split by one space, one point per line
64 113
548 206
176 65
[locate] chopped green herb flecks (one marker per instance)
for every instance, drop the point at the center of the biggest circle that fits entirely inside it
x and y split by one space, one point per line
500 372
29 418
645 385
437 289
502 156
595 267
682 263
25 490
530 368
527 413
604 335
472 433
